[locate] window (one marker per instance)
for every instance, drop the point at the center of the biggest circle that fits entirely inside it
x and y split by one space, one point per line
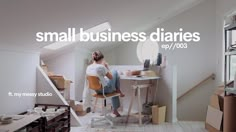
148 50
232 64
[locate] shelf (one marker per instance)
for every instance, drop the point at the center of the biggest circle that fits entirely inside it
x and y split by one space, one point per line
230 90
230 53
231 27
57 121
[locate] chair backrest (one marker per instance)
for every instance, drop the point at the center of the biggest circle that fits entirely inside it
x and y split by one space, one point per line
94 83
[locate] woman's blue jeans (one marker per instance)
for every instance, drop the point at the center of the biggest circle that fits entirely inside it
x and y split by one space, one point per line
112 85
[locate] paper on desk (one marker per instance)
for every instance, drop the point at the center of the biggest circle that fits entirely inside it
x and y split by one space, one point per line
17 117
2 130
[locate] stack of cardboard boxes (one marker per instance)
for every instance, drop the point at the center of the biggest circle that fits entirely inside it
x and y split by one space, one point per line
214 119
45 69
61 83
230 113
77 107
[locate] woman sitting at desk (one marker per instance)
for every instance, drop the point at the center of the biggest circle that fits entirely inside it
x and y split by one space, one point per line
110 80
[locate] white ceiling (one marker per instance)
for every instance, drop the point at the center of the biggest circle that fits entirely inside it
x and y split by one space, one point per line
21 19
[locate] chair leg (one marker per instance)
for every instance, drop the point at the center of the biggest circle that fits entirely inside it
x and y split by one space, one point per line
106 117
103 107
110 122
94 108
102 119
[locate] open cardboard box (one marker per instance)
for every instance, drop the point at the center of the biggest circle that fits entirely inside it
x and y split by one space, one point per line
211 128
214 119
78 108
214 101
220 91
60 82
45 68
158 114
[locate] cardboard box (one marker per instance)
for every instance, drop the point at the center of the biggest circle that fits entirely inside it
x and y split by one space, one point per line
221 102
65 93
81 113
162 114
72 103
220 91
67 83
158 114
214 101
78 108
214 118
50 74
45 68
60 82
211 128
229 113
155 114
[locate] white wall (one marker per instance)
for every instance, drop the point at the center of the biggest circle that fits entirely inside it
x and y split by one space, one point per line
64 64
72 64
193 64
124 54
81 59
17 74
197 61
110 56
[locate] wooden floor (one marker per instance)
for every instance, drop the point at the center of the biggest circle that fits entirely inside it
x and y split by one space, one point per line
166 127
182 126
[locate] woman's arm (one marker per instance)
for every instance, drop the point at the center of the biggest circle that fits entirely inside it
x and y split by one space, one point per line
109 75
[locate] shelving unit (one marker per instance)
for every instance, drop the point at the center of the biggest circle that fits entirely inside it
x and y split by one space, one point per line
231 27
227 54
60 122
230 92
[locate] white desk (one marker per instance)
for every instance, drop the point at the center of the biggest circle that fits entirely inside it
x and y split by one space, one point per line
136 87
17 124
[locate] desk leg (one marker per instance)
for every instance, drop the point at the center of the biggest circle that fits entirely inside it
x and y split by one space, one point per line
139 108
146 101
155 101
131 104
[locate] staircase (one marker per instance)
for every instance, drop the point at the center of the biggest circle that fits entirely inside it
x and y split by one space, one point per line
192 104
45 85
212 76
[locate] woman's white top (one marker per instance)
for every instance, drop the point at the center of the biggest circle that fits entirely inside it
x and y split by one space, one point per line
98 70
93 70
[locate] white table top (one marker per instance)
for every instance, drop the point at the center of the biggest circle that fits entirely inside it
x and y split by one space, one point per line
135 78
17 124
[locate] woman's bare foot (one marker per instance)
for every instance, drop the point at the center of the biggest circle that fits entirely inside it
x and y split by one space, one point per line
115 112
121 94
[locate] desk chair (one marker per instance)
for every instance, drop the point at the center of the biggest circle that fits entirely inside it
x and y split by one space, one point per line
94 84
